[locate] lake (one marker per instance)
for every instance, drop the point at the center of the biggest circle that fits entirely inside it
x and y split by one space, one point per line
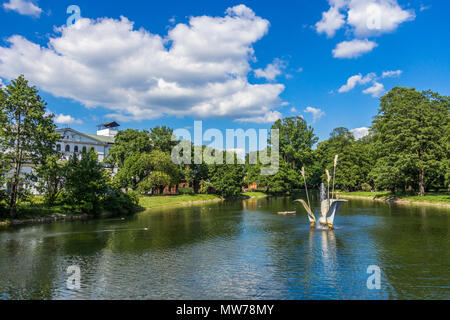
234 250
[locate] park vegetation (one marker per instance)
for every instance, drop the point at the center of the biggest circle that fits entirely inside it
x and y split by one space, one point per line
406 151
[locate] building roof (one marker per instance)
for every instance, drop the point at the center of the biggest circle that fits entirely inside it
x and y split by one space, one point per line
100 138
109 125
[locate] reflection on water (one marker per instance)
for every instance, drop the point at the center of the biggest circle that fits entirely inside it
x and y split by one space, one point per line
234 250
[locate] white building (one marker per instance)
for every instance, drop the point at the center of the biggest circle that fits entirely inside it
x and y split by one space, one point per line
73 141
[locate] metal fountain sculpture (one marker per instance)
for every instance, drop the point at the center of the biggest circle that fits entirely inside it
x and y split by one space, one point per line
328 207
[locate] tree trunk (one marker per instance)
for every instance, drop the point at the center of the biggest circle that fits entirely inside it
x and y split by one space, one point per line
422 183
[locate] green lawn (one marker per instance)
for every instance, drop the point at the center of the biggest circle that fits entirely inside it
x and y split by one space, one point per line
149 202
431 197
255 194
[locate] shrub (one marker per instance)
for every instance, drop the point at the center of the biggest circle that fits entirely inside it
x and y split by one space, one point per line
119 202
366 187
186 190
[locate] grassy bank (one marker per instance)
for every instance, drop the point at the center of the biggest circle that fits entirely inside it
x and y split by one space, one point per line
253 195
430 198
150 202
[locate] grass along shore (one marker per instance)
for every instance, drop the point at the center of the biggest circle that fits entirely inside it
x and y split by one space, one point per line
441 199
36 211
150 202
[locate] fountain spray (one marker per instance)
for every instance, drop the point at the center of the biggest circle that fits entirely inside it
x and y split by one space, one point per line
306 187
334 172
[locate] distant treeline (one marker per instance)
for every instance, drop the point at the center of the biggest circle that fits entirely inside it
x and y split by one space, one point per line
407 149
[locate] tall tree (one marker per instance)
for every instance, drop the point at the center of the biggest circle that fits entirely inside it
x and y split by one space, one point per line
86 182
127 143
162 139
28 134
411 138
51 178
354 161
227 179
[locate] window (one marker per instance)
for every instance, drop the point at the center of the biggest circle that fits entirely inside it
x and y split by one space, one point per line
93 149
84 149
75 149
58 147
67 148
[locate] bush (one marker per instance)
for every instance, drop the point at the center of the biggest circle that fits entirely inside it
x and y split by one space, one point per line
186 190
366 187
121 203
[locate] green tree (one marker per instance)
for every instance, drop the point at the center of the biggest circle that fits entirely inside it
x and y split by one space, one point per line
51 178
158 170
127 143
411 139
144 172
354 159
227 179
162 138
28 135
86 182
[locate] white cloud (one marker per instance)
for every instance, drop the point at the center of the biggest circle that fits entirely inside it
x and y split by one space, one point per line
316 113
363 17
375 17
332 20
272 70
269 117
66 119
375 90
359 133
353 49
356 80
293 110
391 74
25 7
198 69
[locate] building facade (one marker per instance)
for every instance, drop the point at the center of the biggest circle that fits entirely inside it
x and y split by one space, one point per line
73 142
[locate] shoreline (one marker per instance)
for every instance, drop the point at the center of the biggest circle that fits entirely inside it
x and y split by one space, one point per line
42 220
397 201
80 217
181 204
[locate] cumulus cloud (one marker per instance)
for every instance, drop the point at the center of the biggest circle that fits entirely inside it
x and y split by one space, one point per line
332 20
272 70
25 7
353 49
198 69
356 80
363 17
391 74
375 17
375 90
269 117
316 113
66 119
359 133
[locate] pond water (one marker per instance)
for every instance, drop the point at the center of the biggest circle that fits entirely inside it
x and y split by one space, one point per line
234 250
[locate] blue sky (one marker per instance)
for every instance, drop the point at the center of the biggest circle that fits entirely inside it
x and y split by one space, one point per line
232 64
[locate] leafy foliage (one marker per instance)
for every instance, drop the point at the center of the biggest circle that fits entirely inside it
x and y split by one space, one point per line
27 133
86 182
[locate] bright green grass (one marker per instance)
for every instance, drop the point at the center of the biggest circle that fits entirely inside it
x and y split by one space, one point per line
431 197
149 202
255 194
